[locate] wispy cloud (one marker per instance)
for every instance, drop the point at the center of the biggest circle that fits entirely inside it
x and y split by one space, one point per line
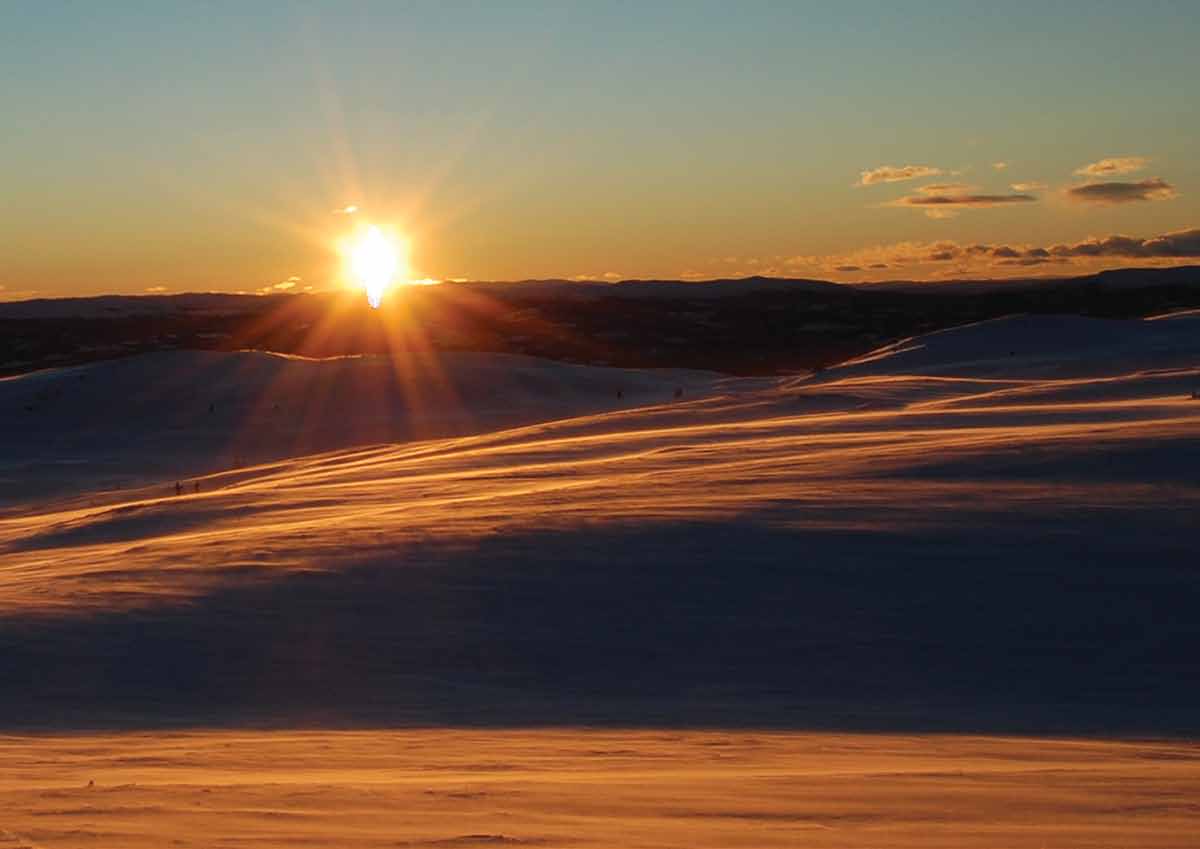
156 289
1025 188
1154 188
999 166
345 210
1113 166
944 188
290 283
897 173
940 204
608 275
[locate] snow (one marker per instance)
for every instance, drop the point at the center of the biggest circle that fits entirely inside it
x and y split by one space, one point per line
371 789
1042 346
480 600
931 537
174 414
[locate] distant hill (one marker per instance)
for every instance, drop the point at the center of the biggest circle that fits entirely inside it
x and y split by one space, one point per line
123 306
220 303
755 325
1129 278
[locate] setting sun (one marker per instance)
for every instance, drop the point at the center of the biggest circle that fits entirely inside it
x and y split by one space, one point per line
766 424
376 261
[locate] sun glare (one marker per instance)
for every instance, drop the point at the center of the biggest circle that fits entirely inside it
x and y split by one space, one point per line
376 261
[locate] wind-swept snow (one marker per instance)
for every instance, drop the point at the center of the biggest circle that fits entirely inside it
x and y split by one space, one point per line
171 415
1041 346
1001 515
561 788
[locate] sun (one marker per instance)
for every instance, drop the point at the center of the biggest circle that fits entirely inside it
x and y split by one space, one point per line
376 261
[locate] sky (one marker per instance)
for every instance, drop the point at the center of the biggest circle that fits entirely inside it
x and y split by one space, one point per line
213 146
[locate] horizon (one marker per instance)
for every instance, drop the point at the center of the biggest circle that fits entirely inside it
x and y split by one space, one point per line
673 424
916 283
170 150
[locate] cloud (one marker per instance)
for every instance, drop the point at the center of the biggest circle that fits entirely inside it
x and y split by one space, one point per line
290 283
944 188
1025 188
999 166
608 275
152 289
1111 193
1113 166
1168 248
973 201
945 204
884 256
1027 260
345 210
897 173
1179 244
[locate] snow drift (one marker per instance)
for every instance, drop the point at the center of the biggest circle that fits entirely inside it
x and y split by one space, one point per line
990 527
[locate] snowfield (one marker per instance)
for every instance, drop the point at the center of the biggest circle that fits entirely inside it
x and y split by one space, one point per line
570 787
987 530
167 415
948 500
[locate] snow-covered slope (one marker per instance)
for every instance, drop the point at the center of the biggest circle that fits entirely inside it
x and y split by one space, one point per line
1001 516
171 415
1041 346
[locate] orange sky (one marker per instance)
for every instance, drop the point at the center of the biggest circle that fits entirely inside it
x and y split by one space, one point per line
176 150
